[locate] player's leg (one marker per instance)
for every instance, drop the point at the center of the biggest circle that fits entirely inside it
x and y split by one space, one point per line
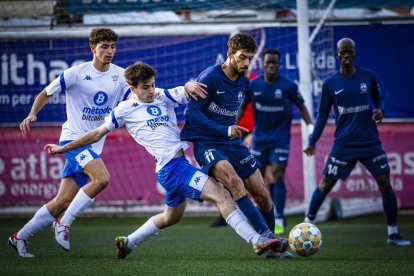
275 174
254 184
44 216
378 166
85 164
170 216
318 197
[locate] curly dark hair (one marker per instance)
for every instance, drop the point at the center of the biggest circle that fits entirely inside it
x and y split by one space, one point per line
138 72
102 34
242 41
272 52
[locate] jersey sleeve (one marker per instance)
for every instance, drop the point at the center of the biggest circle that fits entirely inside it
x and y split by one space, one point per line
116 118
248 96
172 97
376 95
62 83
324 110
295 96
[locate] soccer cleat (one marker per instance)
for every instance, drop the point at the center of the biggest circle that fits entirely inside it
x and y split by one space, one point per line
279 229
121 247
264 242
396 239
20 246
278 255
61 234
308 220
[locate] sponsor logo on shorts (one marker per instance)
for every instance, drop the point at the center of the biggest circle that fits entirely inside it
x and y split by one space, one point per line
246 159
198 180
84 158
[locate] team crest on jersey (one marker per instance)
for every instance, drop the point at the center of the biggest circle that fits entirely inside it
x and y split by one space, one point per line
115 78
154 110
278 94
364 88
100 98
240 97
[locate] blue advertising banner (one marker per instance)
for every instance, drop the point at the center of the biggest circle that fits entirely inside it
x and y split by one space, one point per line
27 66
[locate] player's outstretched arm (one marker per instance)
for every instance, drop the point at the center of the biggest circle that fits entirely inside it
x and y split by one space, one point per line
38 104
91 137
195 90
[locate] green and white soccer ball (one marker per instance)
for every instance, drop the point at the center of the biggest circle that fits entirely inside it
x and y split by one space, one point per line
305 239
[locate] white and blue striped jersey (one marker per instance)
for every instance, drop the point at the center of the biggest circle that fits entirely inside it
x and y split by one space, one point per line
90 96
152 125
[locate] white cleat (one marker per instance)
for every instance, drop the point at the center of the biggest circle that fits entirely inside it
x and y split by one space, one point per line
20 246
61 235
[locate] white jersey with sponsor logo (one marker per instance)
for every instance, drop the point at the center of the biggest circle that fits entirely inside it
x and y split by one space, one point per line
153 125
90 96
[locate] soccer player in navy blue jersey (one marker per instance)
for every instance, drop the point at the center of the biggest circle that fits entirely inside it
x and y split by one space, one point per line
356 98
211 126
272 96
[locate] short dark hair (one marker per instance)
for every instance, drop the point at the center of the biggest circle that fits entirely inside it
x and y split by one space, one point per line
102 34
138 72
272 52
242 41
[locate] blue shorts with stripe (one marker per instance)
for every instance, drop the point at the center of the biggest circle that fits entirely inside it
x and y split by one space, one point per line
76 160
208 153
180 179
342 160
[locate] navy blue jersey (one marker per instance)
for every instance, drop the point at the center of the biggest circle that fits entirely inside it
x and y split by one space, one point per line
210 118
353 99
272 109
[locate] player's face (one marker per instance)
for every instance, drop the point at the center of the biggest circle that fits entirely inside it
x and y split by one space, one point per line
271 64
346 55
104 51
145 90
240 61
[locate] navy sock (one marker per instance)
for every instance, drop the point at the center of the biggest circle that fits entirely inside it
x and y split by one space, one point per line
252 213
279 198
269 218
389 202
316 201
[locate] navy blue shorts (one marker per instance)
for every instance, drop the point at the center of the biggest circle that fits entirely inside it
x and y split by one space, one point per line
342 160
208 153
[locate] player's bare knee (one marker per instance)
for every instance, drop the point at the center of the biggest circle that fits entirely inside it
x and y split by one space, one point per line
327 185
102 181
384 184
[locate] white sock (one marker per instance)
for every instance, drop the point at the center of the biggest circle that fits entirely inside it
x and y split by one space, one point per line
40 220
392 229
279 221
76 207
146 231
242 227
307 220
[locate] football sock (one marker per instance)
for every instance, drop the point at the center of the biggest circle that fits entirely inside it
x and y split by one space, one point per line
40 220
242 227
269 218
279 197
316 201
146 231
76 207
389 203
392 229
252 214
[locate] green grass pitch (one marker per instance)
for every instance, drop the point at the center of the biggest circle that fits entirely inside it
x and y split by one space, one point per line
354 246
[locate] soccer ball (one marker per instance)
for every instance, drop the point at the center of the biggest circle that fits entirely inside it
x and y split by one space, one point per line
305 239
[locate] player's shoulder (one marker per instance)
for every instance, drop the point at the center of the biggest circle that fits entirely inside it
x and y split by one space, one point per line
79 68
210 73
365 71
115 67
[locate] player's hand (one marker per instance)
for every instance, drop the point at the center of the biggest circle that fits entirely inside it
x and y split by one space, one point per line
25 125
309 151
377 115
53 149
196 90
237 131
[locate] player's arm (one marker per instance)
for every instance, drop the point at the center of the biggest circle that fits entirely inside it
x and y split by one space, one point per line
304 113
195 90
88 138
324 109
377 99
38 104
296 97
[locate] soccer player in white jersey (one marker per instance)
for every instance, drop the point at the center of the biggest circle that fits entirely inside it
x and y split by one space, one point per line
93 89
150 118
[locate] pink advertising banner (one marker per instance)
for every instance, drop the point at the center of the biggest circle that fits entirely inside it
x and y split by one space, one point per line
29 176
